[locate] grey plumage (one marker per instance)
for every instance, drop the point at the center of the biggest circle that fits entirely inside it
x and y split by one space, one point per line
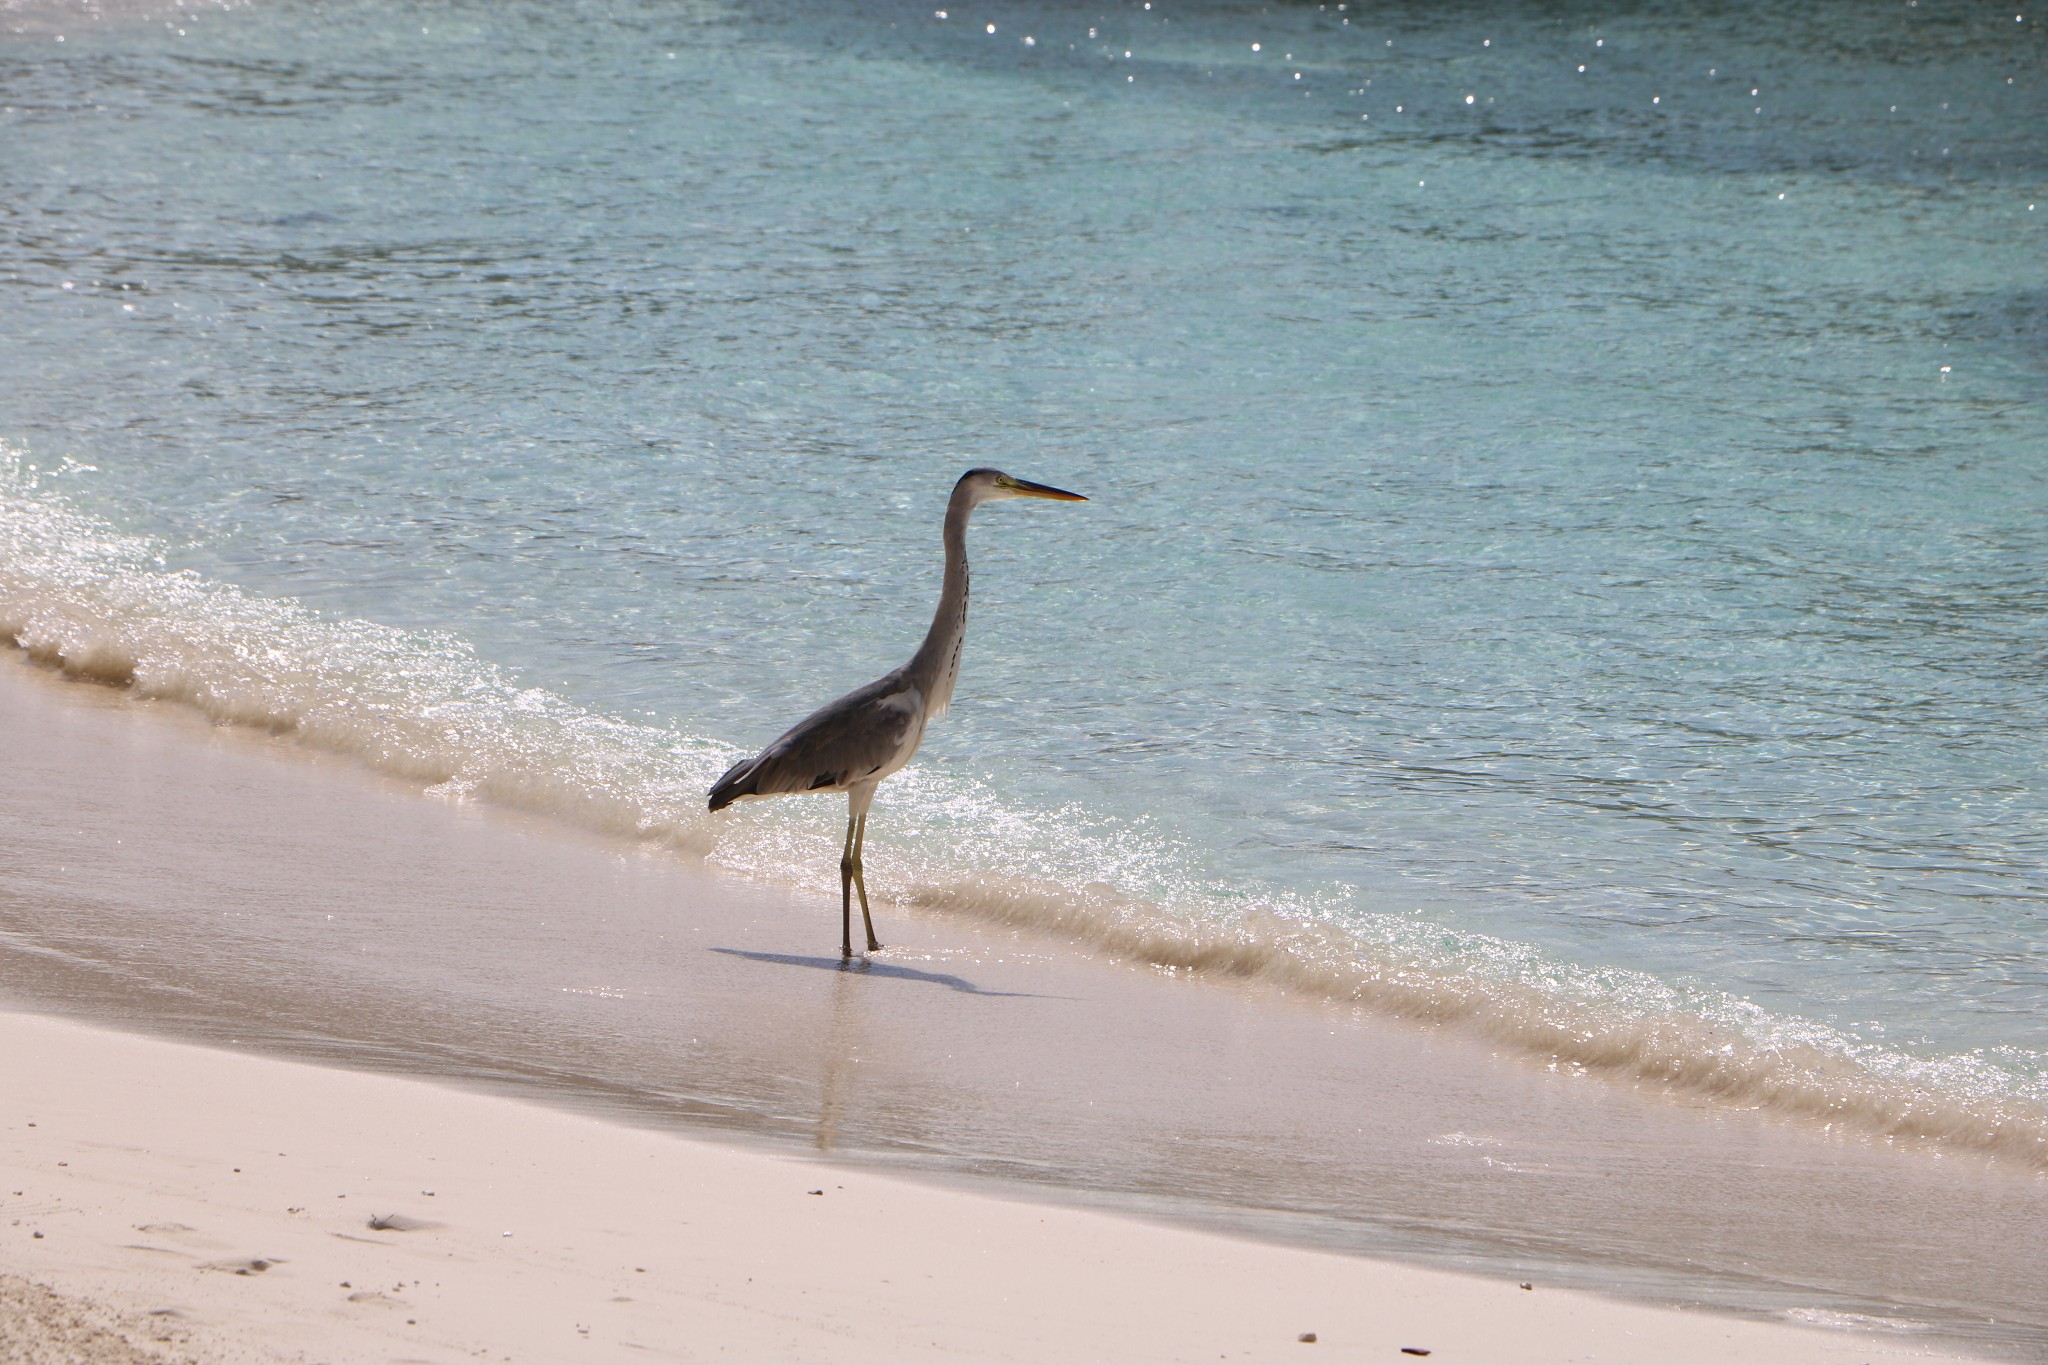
855 742
852 740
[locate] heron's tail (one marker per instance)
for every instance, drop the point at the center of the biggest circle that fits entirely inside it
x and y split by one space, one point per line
739 780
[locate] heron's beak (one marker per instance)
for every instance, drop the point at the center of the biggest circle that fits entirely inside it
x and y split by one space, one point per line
1026 489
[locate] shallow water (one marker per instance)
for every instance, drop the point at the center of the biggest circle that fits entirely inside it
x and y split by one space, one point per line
158 872
1566 561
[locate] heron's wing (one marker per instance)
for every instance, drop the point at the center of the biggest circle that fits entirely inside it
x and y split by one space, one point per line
865 734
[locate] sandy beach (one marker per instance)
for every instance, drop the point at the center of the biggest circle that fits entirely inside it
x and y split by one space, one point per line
213 1203
185 1203
1504 825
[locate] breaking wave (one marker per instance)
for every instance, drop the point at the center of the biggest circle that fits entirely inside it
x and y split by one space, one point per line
80 596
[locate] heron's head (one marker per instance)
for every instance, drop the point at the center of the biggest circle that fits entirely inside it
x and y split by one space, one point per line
987 485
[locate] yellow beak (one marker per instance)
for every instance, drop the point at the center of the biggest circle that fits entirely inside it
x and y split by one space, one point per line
1039 490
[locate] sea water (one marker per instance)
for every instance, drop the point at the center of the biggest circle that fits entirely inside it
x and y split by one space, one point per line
1567 538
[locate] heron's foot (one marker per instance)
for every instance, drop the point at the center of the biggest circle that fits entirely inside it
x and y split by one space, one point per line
874 947
846 952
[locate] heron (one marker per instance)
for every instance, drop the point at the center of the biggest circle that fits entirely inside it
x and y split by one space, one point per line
853 743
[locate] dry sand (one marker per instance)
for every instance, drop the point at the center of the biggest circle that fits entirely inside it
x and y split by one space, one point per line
183 1203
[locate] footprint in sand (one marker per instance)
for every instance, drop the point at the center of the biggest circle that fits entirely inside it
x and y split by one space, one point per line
251 1265
399 1222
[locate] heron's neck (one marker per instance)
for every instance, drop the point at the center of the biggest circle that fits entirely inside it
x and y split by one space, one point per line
937 661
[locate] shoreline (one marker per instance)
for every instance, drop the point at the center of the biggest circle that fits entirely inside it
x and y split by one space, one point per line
209 883
436 715
203 1204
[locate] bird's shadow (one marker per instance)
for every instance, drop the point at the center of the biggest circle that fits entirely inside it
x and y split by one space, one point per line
867 966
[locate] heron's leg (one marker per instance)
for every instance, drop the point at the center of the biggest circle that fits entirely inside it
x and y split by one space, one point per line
860 883
849 868
858 799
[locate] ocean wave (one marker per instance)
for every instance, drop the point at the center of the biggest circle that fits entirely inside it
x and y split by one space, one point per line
80 596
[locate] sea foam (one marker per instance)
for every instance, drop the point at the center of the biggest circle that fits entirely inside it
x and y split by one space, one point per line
80 596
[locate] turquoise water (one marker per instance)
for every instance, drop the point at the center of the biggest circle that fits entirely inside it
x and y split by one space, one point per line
1567 549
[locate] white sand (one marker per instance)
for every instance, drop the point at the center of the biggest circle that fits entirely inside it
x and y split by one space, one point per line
217 1206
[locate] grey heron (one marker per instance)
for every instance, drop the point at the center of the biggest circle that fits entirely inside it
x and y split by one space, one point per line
855 742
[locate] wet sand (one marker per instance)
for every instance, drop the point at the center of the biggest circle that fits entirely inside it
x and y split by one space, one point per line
161 874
